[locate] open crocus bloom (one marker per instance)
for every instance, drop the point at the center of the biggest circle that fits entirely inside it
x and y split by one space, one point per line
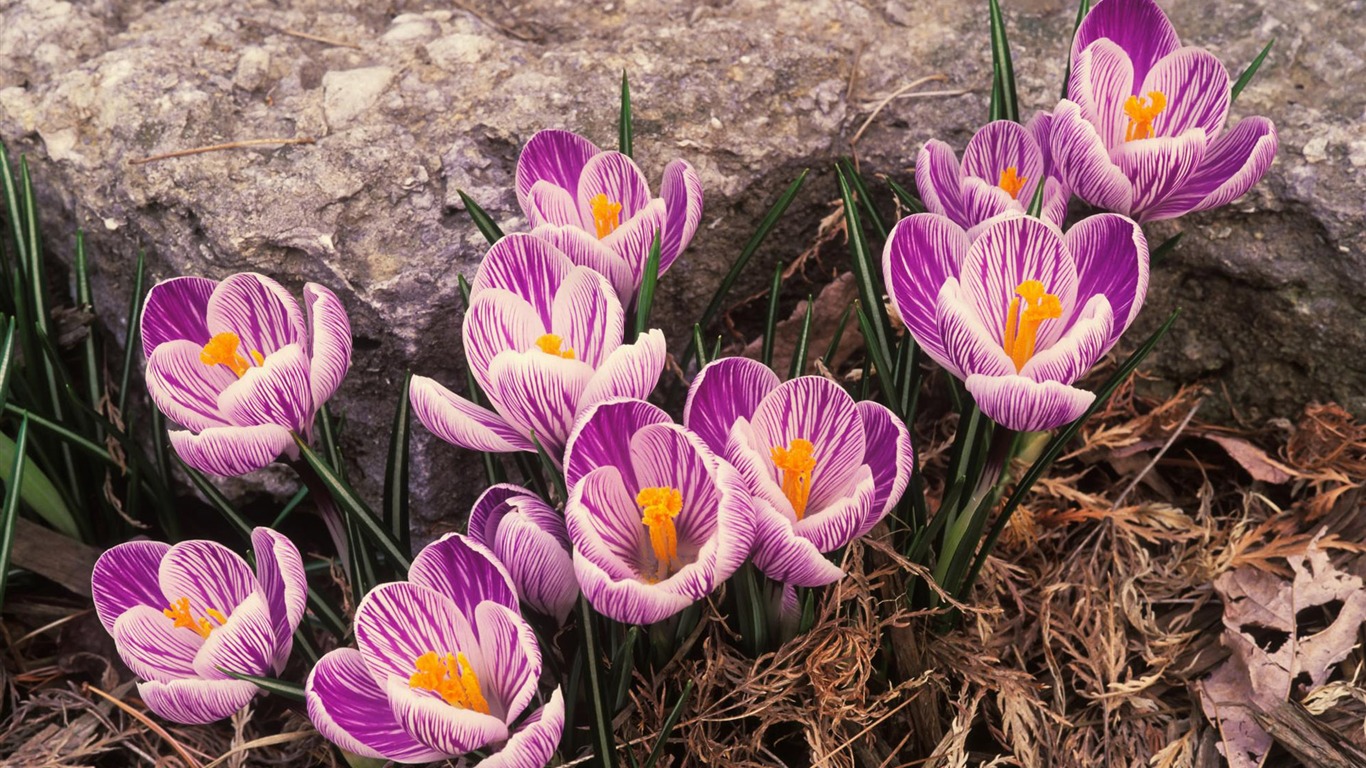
241 366
596 206
182 614
656 518
1002 167
543 338
530 540
823 469
1140 131
1021 312
446 665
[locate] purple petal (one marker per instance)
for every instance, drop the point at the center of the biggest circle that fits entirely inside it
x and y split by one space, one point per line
231 451
528 267
784 556
1040 128
1231 165
1101 83
1111 255
152 647
1025 405
984 200
1073 355
246 643
398 622
972 347
448 729
1159 167
889 455
1006 254
557 157
329 342
839 522
531 540
1003 144
259 310
492 506
126 576
539 393
939 180
460 422
1137 26
923 251
196 702
816 409
276 392
534 742
1084 162
753 462
585 250
351 711
512 659
498 321
604 523
184 388
549 204
725 390
634 238
619 178
631 371
208 573
284 585
587 316
1055 199
669 456
1196 85
465 571
626 600
723 553
602 436
681 189
176 309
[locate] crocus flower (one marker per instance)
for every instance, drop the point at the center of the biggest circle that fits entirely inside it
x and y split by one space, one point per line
823 469
1141 132
656 518
543 338
241 366
530 540
596 206
446 665
182 614
1021 312
1002 168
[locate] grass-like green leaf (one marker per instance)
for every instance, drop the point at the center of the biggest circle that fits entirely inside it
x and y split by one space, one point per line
283 688
1036 202
766 225
9 511
867 270
775 289
133 346
1161 252
549 469
697 343
1083 8
604 739
396 468
881 366
838 336
482 220
351 505
90 362
623 665
625 129
803 342
37 491
865 199
908 201
667 729
1250 72
1004 105
288 509
645 299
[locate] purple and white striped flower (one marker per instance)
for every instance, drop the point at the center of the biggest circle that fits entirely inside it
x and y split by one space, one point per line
543 338
444 665
241 366
823 469
1001 170
656 518
530 539
597 208
1021 312
181 614
1142 130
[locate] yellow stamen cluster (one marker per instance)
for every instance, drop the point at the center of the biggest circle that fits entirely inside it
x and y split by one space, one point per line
451 678
550 344
1012 182
222 350
606 215
1031 306
797 461
660 505
179 612
1142 112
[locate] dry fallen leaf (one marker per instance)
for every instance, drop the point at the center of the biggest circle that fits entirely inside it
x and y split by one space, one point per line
1267 626
1254 460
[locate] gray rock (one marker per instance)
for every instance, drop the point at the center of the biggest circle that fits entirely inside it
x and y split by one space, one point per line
406 107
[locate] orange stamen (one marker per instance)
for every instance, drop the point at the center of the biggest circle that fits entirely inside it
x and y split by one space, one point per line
797 461
1012 182
179 612
660 506
1142 112
451 678
1031 307
550 344
606 215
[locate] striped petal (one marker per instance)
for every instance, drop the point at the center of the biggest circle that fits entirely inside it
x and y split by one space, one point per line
1084 161
1101 83
152 647
722 554
184 388
585 250
284 585
512 659
631 371
398 622
602 436
539 393
619 178
465 571
1111 255
460 422
836 524
681 190
276 392
627 600
351 711
634 238
534 742
232 451
587 316
1073 355
786 557
890 457
1196 85
329 342
550 204
923 251
195 702
531 540
126 575
972 347
667 455
556 157
175 309
1139 27
447 729
1006 254
208 573
1159 167
497 321
816 409
604 523
998 146
725 390
1025 405
1231 165
264 315
246 643
939 180
526 266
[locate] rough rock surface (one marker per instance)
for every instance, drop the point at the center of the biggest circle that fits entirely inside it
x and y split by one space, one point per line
410 101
